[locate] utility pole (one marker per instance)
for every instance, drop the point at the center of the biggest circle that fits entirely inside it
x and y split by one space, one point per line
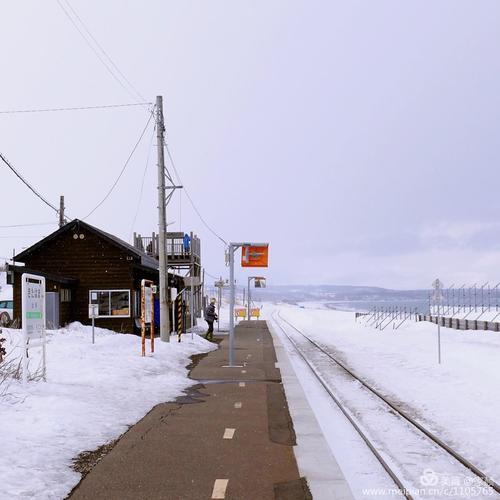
231 250
61 211
193 272
162 223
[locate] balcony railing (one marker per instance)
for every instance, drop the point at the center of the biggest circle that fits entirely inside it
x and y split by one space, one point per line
176 250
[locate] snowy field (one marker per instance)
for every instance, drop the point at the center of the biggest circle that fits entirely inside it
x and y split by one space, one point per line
92 395
458 400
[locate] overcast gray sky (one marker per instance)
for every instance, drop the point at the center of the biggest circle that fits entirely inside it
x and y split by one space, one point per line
361 139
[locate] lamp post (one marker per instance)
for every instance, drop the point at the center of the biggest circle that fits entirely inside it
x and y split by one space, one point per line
250 278
253 255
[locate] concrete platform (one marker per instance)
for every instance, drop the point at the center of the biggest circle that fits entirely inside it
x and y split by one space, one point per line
230 437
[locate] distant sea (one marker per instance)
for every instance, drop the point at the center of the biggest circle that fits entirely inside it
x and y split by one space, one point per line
419 306
345 298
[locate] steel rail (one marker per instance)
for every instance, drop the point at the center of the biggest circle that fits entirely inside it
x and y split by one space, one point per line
489 481
376 453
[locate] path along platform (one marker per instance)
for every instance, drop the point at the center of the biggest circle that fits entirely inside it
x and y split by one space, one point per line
230 437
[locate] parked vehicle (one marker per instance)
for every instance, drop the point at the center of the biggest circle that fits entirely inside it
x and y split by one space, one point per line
6 312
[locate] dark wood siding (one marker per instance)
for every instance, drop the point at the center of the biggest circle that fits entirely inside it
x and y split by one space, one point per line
94 262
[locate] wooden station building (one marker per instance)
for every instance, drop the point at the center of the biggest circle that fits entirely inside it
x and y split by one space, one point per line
83 264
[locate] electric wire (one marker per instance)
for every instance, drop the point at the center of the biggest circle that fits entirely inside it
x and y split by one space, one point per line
24 181
136 92
191 200
122 170
26 236
108 57
142 184
211 275
73 108
94 50
29 225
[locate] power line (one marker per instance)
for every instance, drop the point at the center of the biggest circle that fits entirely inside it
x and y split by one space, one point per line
143 179
30 225
27 236
190 199
122 170
74 108
94 50
108 57
2 157
134 89
211 275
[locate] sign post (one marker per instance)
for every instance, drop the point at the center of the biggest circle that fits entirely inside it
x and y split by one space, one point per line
437 297
252 255
33 306
147 314
93 313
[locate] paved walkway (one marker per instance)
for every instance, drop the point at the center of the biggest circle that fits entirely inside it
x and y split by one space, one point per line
230 437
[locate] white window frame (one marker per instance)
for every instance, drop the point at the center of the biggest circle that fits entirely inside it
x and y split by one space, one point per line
109 290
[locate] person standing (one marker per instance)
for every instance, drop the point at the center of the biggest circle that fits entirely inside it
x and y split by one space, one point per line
186 244
210 317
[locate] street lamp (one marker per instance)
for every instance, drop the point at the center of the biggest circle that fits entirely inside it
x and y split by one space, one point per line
261 280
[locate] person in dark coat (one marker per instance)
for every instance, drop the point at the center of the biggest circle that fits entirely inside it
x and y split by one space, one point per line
210 317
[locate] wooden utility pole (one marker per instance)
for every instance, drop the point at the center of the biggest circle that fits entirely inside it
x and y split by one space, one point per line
162 223
61 211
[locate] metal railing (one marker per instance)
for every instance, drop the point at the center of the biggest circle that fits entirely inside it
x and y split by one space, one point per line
176 250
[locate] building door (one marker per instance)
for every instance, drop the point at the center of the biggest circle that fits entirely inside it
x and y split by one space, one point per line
52 310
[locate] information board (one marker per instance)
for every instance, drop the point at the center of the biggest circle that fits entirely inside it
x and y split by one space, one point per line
148 304
33 290
33 317
147 314
93 310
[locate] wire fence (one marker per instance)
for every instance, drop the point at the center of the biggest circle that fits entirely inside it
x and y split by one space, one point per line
475 307
381 317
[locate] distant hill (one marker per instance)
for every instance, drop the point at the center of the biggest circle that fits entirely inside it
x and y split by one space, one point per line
335 293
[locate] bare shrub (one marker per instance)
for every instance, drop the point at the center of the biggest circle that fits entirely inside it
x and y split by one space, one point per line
11 365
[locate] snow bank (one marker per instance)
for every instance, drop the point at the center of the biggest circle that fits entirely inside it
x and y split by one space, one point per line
92 395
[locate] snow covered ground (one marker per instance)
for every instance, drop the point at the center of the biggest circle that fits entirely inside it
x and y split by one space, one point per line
92 395
457 400
5 290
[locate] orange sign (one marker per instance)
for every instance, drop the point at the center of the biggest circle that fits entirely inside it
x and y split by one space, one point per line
254 256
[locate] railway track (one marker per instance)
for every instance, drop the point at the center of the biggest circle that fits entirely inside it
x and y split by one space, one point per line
398 441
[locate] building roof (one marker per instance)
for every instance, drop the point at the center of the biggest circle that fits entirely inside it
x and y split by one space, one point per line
77 224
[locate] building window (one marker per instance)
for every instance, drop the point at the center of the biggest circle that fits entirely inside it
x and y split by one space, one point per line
112 303
65 294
